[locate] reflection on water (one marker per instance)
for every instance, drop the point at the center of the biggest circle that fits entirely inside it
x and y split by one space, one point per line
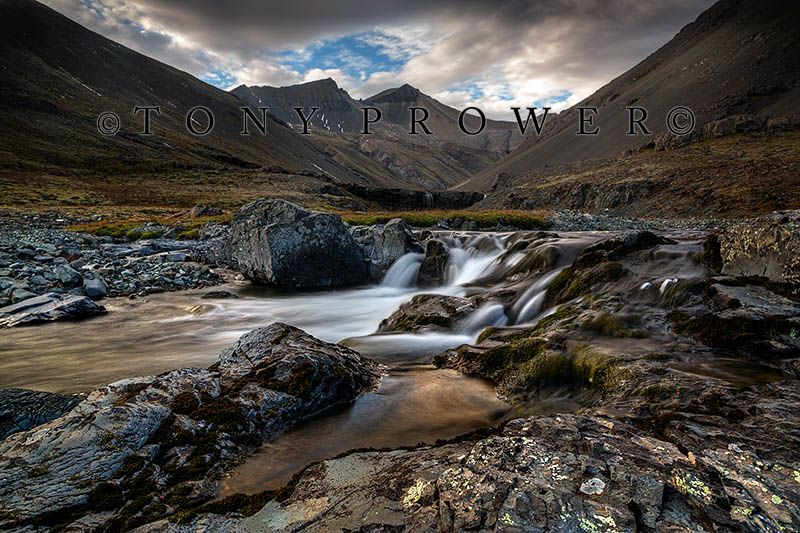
412 405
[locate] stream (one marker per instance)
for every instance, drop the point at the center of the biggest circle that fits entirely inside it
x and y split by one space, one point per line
415 402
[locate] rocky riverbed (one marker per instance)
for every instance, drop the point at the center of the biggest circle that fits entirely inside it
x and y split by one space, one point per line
653 378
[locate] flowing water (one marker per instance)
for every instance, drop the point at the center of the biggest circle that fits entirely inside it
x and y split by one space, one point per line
414 403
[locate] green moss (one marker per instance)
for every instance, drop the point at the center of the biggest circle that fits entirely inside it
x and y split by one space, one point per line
37 471
189 235
584 368
184 403
613 326
572 283
222 412
656 356
498 361
562 313
130 466
152 234
133 235
425 219
415 322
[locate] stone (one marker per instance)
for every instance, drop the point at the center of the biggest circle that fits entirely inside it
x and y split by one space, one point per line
428 312
95 288
20 295
278 243
48 307
162 431
21 409
433 270
767 246
68 276
218 295
385 244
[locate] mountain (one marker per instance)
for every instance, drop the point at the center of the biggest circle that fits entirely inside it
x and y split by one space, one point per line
499 136
390 154
58 77
338 112
738 57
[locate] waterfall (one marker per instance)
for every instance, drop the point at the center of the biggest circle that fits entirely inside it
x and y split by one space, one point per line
488 315
403 273
530 303
468 262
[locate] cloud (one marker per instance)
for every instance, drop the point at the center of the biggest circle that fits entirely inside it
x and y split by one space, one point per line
469 52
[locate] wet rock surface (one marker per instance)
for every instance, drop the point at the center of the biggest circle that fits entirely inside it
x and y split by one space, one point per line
48 307
278 243
146 447
21 409
428 312
433 269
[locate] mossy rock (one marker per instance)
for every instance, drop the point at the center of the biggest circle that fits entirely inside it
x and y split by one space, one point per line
614 326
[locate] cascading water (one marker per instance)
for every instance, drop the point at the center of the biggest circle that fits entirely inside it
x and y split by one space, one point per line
403 273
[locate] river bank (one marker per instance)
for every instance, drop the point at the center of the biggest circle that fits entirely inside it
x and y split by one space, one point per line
646 385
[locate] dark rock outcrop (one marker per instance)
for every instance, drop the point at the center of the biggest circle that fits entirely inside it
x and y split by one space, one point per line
433 270
48 307
278 243
172 434
767 246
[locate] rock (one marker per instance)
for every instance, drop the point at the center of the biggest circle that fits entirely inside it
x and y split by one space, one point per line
95 288
164 434
767 246
278 243
433 270
67 276
20 295
48 307
176 257
385 244
21 410
546 473
428 312
218 295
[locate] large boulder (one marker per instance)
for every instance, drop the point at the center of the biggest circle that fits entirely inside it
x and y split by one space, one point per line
385 244
139 442
278 243
767 246
48 307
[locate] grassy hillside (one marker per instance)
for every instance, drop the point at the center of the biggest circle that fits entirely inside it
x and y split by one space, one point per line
738 175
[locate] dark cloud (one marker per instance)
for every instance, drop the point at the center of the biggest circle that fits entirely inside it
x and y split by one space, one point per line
529 48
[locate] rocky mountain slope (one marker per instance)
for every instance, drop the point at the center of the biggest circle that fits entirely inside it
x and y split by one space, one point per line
736 58
58 77
434 161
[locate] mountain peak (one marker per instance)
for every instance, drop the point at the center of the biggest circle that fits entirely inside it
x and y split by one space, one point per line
404 93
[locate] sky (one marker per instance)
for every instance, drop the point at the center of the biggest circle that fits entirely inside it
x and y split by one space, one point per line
487 54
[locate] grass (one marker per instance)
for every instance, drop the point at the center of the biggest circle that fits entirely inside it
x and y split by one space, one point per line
424 219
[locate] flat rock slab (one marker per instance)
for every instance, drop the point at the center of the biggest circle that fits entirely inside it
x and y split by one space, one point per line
48 307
